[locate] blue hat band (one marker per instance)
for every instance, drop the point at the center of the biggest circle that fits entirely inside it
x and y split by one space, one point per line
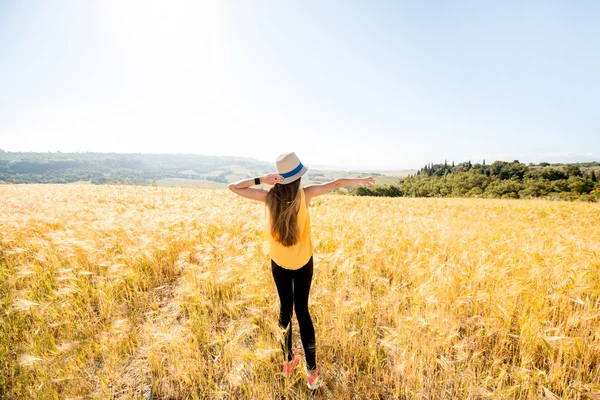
293 172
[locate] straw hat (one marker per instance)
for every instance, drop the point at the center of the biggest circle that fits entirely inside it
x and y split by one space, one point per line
289 167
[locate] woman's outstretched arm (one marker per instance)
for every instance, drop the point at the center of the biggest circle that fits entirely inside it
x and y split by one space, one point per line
322 188
244 189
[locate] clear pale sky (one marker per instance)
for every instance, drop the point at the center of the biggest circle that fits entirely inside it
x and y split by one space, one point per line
363 84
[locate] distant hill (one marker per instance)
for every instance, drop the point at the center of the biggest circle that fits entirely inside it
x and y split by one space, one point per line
149 169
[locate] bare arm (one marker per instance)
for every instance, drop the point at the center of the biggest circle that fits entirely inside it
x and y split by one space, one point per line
322 188
244 189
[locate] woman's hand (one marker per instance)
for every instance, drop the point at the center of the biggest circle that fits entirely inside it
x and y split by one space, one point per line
370 181
271 179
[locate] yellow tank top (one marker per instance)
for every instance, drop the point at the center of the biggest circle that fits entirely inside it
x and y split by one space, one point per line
296 256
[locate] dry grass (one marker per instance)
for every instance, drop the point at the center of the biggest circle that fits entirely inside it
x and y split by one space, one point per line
138 292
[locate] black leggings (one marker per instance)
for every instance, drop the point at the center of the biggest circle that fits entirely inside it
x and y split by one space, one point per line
293 287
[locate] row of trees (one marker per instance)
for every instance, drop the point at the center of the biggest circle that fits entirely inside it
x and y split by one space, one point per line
497 180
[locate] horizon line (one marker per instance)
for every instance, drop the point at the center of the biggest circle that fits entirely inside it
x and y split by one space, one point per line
550 158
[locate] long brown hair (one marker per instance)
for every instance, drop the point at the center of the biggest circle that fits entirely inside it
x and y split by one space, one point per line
282 202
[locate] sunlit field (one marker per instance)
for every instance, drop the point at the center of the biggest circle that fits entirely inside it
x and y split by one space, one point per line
166 293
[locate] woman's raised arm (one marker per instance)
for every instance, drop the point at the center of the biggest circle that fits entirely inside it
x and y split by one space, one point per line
244 189
318 189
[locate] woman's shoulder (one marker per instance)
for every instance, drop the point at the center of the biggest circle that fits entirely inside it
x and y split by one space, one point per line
303 197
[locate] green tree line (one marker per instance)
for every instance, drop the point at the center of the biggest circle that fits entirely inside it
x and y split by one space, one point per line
500 179
114 168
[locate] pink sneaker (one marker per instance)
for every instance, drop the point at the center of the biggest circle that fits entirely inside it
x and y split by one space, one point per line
290 366
313 380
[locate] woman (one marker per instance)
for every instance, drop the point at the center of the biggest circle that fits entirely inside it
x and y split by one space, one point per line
291 249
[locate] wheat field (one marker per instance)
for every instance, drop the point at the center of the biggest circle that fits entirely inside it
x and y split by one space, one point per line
120 292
